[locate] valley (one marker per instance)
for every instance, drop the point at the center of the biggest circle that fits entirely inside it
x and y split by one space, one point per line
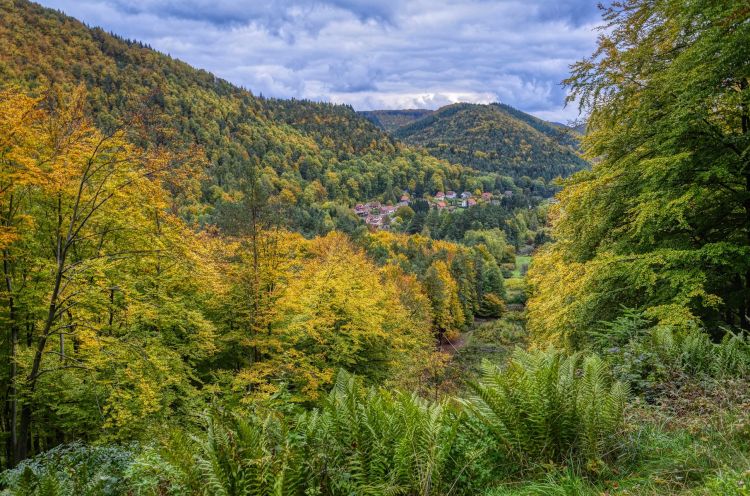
207 291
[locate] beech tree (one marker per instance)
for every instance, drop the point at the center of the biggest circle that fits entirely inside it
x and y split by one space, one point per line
662 221
86 238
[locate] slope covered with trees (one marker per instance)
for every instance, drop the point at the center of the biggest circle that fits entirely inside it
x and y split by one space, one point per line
119 317
496 138
302 154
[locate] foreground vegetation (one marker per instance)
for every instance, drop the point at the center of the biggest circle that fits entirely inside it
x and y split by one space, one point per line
545 423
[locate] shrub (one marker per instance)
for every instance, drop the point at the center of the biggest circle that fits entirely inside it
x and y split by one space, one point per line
150 474
654 355
70 469
249 456
546 406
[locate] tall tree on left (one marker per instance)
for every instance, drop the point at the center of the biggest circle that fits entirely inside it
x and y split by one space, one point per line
82 213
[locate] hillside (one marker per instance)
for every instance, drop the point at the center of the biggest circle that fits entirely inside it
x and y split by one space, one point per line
391 120
303 153
496 138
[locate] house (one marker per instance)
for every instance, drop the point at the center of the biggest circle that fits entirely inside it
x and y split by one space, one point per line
441 205
486 196
451 195
465 195
374 220
361 210
404 199
388 210
440 196
507 193
471 202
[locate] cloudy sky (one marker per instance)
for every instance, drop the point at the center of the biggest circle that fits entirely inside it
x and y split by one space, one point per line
372 54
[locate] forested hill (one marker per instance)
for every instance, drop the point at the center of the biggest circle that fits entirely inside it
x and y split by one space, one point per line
496 138
305 154
391 120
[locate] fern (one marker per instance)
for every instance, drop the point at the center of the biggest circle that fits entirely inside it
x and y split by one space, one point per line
248 457
376 442
546 406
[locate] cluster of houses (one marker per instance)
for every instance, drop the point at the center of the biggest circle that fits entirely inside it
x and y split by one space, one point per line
379 216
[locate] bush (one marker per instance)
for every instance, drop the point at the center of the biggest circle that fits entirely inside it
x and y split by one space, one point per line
70 469
654 355
546 406
249 456
361 441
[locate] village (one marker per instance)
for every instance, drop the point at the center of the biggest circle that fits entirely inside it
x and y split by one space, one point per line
378 216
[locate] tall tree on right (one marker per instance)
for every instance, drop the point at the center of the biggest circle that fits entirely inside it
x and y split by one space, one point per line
662 221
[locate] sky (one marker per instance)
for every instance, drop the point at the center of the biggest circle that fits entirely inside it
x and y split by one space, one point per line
371 54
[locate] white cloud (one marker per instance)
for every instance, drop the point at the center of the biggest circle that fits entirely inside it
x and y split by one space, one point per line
369 53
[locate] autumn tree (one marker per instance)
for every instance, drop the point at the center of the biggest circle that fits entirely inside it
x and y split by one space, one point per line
85 274
332 308
442 289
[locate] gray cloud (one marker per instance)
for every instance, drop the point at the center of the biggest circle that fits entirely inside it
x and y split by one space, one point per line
369 53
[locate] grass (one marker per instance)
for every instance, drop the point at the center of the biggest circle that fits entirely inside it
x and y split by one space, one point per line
521 261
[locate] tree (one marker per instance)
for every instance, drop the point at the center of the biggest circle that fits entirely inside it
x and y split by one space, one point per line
662 221
336 311
97 237
443 293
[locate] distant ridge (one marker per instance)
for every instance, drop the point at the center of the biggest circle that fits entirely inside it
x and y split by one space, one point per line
494 137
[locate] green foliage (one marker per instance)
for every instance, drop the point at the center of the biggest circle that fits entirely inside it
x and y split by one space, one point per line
661 221
496 138
248 456
150 474
374 442
646 356
729 483
545 406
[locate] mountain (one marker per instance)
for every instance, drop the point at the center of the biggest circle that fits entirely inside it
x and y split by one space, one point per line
496 138
390 120
304 154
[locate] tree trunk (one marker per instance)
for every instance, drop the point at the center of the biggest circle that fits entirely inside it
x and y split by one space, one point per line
12 394
745 307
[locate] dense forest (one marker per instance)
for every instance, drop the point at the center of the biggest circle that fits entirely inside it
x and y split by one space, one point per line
189 306
302 154
496 138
